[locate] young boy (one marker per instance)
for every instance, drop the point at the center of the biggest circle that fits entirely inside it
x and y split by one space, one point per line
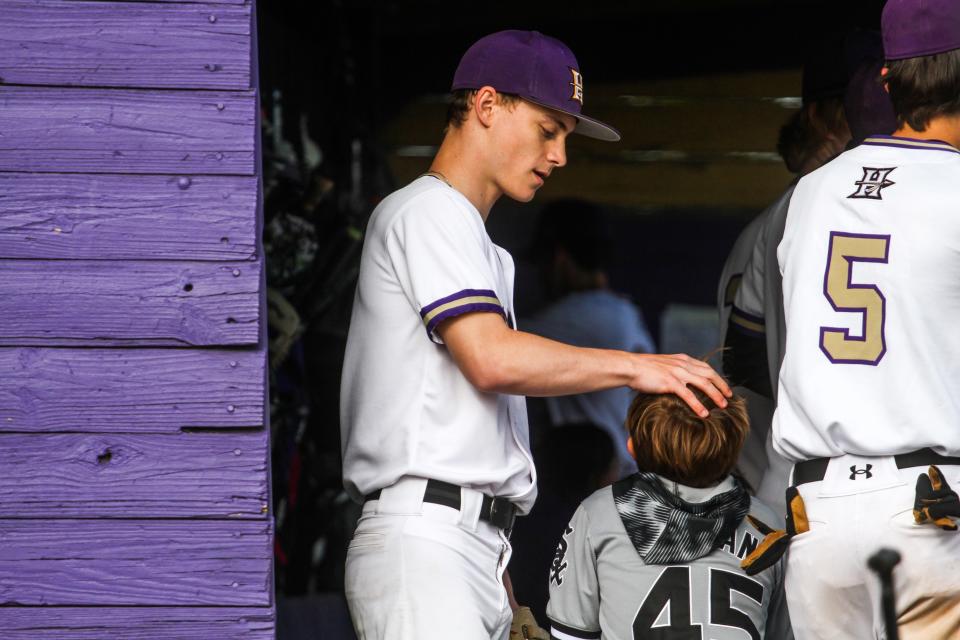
657 555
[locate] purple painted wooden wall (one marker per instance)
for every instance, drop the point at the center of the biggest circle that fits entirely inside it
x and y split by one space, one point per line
134 475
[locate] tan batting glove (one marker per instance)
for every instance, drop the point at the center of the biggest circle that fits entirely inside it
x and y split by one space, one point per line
525 626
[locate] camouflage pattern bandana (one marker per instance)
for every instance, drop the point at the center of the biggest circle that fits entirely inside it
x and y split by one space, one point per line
666 529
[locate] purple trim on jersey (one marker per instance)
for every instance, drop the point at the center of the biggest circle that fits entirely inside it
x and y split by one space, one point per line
748 316
861 310
922 145
456 311
738 313
464 293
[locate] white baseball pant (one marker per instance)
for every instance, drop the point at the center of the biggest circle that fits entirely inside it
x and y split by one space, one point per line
419 570
854 511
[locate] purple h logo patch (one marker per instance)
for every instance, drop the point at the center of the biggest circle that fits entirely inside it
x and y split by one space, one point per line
874 180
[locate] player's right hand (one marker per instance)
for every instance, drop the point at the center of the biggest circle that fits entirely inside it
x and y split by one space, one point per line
656 373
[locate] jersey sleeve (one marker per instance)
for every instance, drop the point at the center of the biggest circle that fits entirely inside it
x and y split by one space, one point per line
748 310
778 616
574 606
745 354
440 258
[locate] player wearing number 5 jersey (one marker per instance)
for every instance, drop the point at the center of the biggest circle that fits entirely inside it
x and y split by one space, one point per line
657 555
869 389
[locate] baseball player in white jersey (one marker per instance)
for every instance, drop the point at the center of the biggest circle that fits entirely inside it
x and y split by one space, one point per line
757 307
433 422
657 555
813 135
753 459
868 396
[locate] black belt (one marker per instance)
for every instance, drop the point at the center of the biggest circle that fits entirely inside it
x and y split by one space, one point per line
815 470
499 512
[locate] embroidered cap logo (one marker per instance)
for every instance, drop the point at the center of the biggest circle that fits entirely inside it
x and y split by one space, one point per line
577 84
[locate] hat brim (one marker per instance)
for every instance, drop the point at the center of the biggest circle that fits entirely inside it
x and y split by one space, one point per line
585 126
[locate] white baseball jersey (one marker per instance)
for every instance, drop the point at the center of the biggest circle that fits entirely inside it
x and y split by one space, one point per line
870 259
600 587
405 407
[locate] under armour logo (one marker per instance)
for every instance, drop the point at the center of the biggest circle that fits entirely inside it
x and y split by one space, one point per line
873 181
854 472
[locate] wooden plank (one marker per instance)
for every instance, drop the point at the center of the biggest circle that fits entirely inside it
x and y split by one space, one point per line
171 1
135 562
137 623
129 303
192 46
111 217
188 475
130 390
125 131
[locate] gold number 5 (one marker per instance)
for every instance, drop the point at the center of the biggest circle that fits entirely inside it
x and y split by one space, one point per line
866 299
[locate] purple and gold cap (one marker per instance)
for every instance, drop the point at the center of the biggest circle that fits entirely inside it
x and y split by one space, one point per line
535 67
914 28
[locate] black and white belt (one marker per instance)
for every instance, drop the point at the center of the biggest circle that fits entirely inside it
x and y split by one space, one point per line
816 470
499 512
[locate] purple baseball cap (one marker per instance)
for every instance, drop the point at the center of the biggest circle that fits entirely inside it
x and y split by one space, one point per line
914 28
535 67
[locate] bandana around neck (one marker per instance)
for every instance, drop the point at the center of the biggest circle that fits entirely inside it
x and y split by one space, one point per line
666 529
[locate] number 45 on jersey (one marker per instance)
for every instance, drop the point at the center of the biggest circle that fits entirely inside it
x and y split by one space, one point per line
666 610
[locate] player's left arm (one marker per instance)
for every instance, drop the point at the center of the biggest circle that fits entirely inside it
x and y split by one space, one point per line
498 359
574 607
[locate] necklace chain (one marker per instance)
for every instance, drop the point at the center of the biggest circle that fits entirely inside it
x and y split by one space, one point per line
438 176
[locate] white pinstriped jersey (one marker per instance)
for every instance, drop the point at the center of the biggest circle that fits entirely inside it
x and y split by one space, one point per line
870 259
601 589
405 407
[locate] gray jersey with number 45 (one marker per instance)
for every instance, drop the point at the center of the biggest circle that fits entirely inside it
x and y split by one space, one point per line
601 588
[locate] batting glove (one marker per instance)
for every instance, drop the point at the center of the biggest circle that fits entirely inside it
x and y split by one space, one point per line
936 502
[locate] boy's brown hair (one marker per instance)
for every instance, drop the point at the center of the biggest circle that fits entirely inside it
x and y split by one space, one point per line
461 102
924 88
669 439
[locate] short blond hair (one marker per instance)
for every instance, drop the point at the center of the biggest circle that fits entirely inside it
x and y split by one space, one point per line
669 439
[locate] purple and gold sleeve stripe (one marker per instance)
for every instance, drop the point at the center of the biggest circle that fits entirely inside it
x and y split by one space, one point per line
747 322
464 301
563 632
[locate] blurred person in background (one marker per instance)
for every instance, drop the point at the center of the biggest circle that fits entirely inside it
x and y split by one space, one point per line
573 248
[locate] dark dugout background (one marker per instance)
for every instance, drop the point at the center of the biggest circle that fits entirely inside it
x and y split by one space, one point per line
353 108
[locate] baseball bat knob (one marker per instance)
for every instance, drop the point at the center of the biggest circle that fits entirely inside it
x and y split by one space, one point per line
884 560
